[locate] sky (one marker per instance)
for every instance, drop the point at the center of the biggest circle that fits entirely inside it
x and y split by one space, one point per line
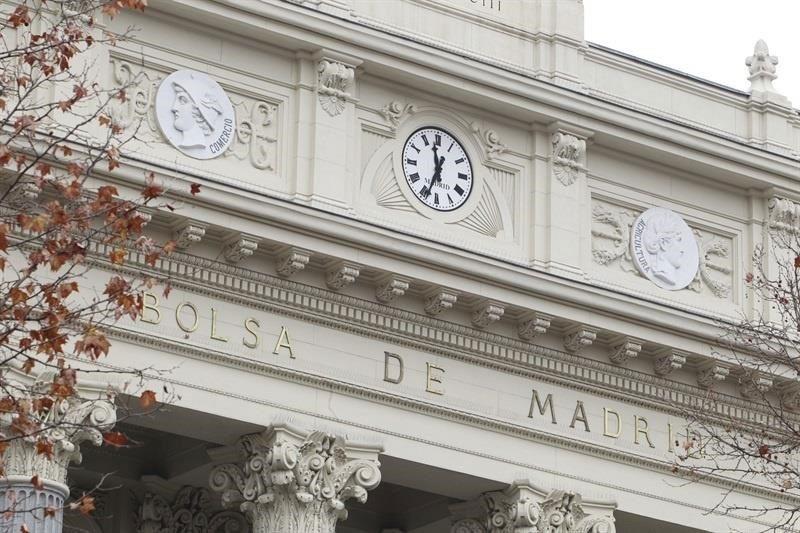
705 38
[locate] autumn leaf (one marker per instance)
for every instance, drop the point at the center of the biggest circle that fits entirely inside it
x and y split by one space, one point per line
84 504
147 399
194 188
44 447
117 256
93 343
115 439
797 261
37 483
152 188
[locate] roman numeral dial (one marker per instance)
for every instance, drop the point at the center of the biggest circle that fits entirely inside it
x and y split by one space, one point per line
437 169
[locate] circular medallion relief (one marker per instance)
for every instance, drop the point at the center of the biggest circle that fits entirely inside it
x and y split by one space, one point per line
195 114
664 248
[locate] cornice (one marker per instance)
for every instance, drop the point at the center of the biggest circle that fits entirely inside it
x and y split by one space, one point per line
400 327
521 91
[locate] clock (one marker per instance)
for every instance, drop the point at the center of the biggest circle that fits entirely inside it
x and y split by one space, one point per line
437 169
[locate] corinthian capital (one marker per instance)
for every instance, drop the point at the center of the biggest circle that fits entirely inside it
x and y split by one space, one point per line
525 508
291 477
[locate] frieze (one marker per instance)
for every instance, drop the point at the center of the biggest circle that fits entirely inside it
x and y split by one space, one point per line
405 328
612 235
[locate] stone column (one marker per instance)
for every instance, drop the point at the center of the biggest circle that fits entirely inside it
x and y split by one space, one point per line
291 481
525 508
34 482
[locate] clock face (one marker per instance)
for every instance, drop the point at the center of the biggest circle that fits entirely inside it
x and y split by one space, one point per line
437 169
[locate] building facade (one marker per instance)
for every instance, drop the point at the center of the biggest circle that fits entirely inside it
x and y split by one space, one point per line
453 269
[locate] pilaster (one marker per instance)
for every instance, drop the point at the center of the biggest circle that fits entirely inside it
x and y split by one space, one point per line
566 195
289 480
327 88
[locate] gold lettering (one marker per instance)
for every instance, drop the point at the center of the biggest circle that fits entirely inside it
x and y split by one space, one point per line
153 307
641 430
189 305
386 377
579 410
254 332
214 327
284 342
542 407
606 431
430 385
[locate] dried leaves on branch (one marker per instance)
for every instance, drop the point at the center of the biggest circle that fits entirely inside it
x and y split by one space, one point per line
59 219
758 444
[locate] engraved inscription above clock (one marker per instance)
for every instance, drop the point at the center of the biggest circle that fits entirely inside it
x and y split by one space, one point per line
437 169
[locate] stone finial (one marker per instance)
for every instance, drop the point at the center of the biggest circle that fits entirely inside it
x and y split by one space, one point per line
190 508
762 68
763 72
287 476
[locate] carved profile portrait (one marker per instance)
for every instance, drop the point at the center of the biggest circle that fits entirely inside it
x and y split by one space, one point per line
664 248
195 114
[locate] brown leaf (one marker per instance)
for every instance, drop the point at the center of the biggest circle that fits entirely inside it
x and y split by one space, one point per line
194 188
44 447
84 505
37 483
147 399
117 256
115 439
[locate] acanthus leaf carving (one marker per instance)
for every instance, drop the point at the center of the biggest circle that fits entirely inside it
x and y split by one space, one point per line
342 274
569 154
625 348
668 360
440 300
395 112
533 324
579 337
487 313
291 261
333 85
523 508
490 140
710 374
391 288
293 483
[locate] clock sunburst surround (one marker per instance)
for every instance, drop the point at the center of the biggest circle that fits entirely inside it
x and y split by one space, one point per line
437 168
